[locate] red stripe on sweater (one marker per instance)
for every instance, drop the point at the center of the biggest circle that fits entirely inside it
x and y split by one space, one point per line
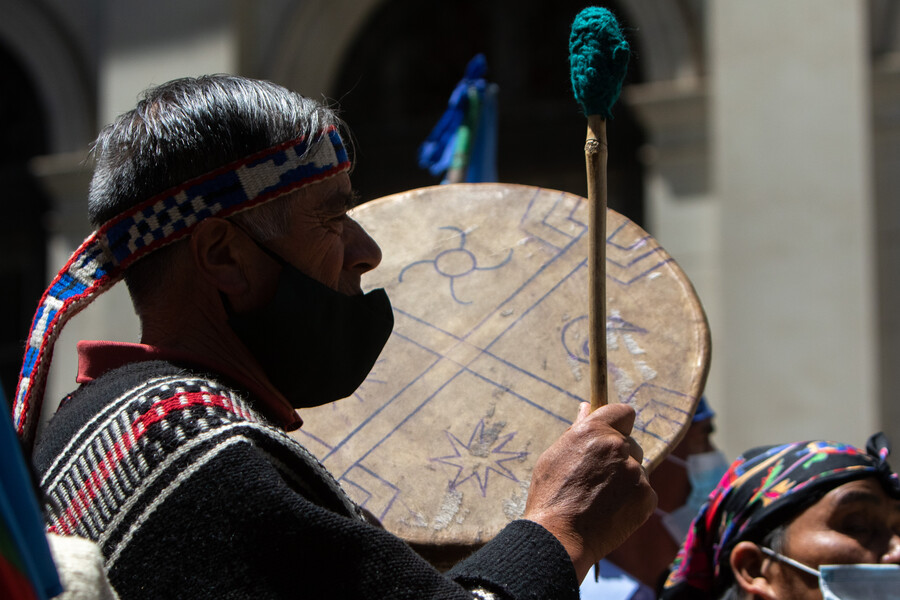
159 411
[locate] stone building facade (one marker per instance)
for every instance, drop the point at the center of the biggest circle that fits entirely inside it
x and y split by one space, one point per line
757 141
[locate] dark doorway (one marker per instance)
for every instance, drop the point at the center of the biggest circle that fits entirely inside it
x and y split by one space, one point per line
22 239
398 75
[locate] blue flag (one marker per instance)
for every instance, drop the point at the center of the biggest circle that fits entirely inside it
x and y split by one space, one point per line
463 144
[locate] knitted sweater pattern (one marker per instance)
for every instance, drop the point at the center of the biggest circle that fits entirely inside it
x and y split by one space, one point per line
190 492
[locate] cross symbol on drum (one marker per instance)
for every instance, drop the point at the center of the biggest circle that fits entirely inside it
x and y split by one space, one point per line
487 362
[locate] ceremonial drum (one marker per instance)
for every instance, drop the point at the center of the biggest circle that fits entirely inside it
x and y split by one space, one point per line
488 359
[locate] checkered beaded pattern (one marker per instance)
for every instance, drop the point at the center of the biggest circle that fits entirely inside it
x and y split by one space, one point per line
102 258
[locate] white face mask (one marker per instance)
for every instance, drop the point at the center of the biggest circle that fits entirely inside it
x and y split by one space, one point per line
704 471
850 582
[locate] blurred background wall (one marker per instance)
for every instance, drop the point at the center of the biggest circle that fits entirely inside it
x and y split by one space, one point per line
757 141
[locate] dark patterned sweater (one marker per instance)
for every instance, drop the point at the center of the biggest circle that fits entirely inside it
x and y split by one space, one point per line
191 493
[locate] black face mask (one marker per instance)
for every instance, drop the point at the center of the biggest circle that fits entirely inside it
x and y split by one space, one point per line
316 345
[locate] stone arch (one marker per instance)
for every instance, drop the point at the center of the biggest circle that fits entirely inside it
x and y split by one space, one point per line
671 36
317 48
317 35
319 32
32 35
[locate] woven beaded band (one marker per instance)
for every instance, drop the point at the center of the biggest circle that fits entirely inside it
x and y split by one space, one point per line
103 257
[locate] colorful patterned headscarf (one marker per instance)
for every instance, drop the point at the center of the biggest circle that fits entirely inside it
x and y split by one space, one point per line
766 487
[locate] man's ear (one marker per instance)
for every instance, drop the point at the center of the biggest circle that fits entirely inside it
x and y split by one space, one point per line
746 561
219 255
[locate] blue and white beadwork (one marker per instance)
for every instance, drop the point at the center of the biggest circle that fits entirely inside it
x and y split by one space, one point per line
103 257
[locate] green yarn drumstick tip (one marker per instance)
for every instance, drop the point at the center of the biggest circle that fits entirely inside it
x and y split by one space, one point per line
598 60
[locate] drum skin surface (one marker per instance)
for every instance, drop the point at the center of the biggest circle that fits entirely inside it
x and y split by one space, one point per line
488 360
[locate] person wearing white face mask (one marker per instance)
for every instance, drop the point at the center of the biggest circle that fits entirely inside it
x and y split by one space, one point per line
805 520
702 463
634 570
849 582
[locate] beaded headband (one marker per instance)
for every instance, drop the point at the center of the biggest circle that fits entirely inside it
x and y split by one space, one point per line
103 257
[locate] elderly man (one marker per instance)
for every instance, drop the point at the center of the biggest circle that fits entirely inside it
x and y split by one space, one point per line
806 520
223 203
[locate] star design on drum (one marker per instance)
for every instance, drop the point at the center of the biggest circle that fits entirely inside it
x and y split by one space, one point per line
454 263
484 453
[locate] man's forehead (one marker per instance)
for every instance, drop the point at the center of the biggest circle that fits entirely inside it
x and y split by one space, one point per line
334 193
861 491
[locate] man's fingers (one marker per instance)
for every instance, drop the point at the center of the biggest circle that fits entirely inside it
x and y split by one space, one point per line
618 416
584 411
635 450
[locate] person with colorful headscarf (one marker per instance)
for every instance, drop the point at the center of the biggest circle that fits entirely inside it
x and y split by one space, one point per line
223 203
814 519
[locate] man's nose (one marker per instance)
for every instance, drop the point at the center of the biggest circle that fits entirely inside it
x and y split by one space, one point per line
361 253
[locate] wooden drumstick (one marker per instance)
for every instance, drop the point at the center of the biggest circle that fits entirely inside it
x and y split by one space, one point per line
598 59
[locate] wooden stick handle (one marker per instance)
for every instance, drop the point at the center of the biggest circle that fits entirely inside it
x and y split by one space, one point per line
595 153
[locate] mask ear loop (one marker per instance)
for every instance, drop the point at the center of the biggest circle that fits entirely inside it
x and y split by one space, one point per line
789 561
268 251
677 460
226 303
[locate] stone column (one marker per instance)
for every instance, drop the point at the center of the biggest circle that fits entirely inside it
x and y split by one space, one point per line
886 133
144 44
682 213
792 166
